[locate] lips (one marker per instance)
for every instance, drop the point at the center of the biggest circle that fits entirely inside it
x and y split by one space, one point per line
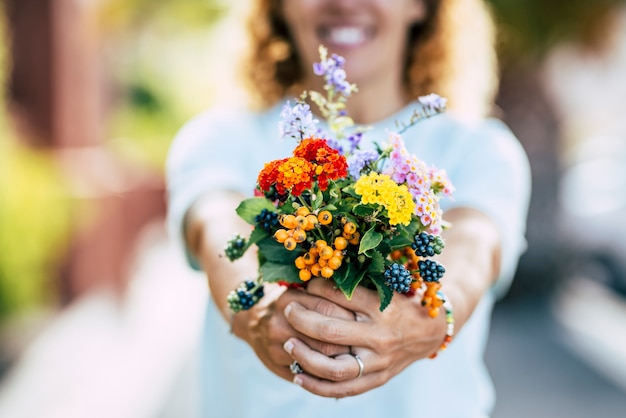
344 35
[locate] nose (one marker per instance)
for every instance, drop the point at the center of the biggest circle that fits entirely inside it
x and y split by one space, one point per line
345 6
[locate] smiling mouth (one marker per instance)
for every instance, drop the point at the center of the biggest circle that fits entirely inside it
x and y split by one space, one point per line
344 35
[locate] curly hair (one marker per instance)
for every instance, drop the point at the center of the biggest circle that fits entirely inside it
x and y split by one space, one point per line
451 53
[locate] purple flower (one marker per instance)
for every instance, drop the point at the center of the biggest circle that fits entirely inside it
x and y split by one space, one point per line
334 74
358 161
355 140
433 102
334 144
297 122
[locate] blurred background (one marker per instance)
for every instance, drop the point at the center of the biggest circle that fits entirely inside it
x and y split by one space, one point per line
99 316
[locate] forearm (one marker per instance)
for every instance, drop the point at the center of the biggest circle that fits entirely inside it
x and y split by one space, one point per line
210 223
471 259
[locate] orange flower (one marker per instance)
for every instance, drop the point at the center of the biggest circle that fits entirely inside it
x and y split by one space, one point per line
269 173
295 175
329 164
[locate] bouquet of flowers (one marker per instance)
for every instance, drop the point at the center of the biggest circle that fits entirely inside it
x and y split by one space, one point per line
356 215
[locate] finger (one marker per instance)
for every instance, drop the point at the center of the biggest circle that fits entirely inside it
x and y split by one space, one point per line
327 349
363 300
326 308
325 329
343 389
342 367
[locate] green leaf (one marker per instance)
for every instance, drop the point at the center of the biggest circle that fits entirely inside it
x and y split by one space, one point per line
334 192
377 263
275 252
413 227
318 201
257 235
274 272
250 208
384 292
348 280
349 190
406 235
370 240
399 242
363 210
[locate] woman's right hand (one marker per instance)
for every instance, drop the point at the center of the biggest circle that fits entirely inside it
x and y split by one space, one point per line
266 330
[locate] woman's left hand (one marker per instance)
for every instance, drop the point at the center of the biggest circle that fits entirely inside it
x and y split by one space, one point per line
386 342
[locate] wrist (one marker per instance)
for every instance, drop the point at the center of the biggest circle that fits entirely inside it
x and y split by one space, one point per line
239 324
448 316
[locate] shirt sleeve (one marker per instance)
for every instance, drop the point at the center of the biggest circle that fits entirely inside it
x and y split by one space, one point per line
202 159
493 176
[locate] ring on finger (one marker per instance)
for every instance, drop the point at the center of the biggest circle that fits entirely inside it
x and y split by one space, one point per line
360 363
295 368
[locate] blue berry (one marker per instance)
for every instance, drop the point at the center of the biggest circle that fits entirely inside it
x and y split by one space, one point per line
426 245
245 296
398 278
430 271
235 248
245 299
273 195
267 220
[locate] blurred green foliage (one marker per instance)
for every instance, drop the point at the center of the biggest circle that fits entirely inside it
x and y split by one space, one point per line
133 14
144 40
529 28
156 45
34 215
34 226
143 123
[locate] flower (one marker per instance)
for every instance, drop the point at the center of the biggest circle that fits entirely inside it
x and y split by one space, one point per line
433 102
290 175
360 159
297 122
328 163
334 74
427 207
380 189
440 182
335 210
295 175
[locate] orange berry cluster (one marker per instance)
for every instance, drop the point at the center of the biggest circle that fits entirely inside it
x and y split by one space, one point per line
350 232
296 226
430 299
321 260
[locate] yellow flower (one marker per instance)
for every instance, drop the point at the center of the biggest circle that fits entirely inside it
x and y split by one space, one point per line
380 189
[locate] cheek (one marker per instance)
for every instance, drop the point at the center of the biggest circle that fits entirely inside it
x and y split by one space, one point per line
415 11
298 16
299 12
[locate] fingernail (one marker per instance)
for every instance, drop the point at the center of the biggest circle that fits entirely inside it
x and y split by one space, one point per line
297 380
288 346
287 310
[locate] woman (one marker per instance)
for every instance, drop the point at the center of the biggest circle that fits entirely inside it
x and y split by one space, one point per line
395 51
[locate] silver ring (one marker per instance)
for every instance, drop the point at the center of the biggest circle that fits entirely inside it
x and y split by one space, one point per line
295 368
360 363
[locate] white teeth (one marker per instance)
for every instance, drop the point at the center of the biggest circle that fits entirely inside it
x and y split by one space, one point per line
346 36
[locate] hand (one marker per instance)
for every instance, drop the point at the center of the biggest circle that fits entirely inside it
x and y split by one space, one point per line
266 330
387 342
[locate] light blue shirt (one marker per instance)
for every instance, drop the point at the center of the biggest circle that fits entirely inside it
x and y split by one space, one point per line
225 150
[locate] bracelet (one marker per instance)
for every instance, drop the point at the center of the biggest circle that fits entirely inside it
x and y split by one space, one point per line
447 306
